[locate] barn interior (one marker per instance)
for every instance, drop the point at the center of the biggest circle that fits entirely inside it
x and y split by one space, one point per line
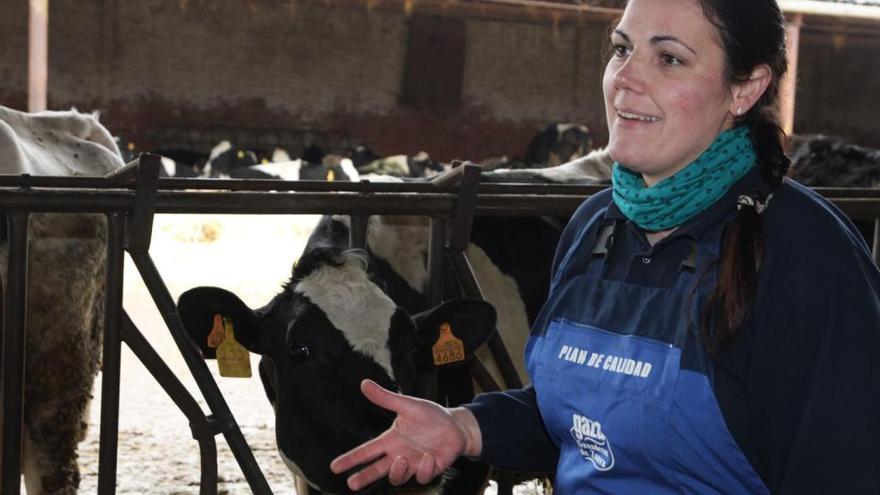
454 79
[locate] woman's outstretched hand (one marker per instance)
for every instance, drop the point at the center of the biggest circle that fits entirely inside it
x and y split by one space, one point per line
424 440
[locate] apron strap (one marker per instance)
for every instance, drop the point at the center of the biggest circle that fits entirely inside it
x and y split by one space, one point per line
604 240
690 263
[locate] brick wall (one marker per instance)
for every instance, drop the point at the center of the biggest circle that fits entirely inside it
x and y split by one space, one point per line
332 71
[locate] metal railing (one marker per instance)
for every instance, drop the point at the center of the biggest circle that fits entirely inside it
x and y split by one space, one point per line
132 196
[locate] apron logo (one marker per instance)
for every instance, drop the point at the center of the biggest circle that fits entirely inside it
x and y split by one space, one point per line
593 444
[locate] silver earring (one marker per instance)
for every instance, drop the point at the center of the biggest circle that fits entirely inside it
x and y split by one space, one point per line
739 110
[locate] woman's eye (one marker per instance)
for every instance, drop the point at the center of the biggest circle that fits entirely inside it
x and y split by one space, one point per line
668 59
620 51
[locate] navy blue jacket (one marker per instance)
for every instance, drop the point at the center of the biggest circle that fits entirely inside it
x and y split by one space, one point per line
799 388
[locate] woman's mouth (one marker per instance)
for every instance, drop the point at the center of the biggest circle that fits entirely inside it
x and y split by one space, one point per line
637 117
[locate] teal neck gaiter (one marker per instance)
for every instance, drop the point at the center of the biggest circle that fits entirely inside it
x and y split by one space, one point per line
679 197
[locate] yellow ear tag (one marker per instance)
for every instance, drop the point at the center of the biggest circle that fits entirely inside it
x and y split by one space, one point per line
264 161
448 348
233 360
240 154
330 176
130 146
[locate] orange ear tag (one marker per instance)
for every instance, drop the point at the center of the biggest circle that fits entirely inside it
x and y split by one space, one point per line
218 333
233 360
448 348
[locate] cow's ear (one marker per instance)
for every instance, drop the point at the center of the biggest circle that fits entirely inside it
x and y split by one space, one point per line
450 333
202 309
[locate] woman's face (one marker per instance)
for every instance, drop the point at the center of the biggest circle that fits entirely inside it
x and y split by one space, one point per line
665 95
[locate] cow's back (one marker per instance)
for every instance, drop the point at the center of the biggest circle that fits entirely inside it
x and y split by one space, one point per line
67 143
66 268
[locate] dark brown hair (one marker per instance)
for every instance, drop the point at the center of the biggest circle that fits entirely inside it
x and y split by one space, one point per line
752 33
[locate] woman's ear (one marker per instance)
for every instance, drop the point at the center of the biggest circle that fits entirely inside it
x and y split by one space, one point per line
745 94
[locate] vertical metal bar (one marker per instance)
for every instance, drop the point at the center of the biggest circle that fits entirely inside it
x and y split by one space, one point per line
110 364
357 231
38 54
463 219
201 373
426 386
146 188
14 320
436 260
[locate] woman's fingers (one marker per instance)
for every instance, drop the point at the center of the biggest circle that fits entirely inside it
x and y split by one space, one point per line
365 452
391 454
425 472
399 473
370 474
384 398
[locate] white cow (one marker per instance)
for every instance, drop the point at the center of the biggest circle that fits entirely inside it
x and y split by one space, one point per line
65 290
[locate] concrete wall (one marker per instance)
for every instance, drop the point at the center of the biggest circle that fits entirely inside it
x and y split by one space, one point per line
181 73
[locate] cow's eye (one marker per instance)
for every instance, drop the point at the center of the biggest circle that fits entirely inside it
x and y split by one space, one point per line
299 351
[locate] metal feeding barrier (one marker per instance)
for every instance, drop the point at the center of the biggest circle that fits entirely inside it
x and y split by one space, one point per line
132 196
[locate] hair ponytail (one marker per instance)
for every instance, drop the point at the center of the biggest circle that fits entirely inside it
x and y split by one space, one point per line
752 33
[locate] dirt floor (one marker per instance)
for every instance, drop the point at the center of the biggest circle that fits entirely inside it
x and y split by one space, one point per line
248 255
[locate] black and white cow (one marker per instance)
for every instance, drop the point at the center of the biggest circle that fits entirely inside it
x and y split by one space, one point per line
65 291
175 162
593 168
511 259
827 161
555 145
332 326
558 144
227 161
361 155
416 166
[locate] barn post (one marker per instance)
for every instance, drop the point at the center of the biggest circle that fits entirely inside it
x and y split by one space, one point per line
14 319
38 54
788 85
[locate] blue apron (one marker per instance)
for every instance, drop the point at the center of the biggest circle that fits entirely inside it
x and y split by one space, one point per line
624 385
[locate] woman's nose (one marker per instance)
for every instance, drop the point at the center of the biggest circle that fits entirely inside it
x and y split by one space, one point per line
630 76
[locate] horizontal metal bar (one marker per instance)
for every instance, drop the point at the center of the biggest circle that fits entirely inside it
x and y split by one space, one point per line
344 203
364 186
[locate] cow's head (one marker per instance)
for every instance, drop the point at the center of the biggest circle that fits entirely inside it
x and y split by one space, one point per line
331 327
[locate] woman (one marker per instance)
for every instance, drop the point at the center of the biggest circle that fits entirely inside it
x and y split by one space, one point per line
710 327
